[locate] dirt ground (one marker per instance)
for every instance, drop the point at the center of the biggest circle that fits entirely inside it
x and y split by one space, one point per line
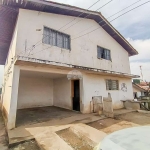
28 145
106 125
123 121
77 142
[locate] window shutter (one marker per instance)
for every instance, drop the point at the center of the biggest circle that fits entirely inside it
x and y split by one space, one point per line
56 38
108 54
99 52
46 36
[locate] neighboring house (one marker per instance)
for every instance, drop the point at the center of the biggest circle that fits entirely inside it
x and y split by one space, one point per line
138 90
145 85
43 50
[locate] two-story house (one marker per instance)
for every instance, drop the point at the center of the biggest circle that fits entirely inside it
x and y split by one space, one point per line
42 43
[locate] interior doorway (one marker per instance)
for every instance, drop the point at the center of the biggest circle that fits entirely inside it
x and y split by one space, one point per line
76 95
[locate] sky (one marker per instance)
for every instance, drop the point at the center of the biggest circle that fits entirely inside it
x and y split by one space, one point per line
134 26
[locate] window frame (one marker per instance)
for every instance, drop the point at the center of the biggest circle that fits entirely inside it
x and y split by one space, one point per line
111 89
57 32
105 49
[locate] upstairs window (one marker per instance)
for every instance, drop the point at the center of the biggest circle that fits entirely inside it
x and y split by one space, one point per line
55 38
112 85
103 53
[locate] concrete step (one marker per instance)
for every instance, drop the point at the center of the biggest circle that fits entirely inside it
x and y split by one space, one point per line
28 132
77 136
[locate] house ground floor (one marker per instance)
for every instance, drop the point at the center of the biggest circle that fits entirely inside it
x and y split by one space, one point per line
40 86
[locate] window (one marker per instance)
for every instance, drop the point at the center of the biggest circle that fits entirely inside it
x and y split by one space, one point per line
103 53
112 85
56 38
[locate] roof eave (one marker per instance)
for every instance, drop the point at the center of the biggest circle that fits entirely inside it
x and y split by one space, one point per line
46 6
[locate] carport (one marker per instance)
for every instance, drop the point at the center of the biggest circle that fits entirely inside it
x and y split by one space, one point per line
43 96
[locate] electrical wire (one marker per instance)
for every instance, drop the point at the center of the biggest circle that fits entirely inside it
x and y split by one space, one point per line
103 25
112 20
109 16
113 15
72 21
88 15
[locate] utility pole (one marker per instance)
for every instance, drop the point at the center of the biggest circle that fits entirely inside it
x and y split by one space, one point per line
141 72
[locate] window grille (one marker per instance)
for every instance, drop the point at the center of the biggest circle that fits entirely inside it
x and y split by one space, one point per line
112 85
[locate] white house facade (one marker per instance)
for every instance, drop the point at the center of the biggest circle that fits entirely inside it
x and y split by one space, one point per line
48 45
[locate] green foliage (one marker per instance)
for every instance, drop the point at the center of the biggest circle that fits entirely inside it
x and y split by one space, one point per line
137 81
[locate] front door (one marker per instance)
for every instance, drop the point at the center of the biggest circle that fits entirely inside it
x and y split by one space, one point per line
76 95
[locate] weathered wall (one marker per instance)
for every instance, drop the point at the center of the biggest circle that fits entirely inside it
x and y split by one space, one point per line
83 50
62 93
35 92
10 83
95 85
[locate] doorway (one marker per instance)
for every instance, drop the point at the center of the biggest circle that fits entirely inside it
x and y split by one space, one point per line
76 95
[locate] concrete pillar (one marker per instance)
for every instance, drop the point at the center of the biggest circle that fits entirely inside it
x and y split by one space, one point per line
81 96
14 98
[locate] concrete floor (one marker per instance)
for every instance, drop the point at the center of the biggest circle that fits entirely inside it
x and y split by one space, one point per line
32 122
42 114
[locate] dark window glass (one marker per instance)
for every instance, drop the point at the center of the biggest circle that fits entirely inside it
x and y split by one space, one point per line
103 53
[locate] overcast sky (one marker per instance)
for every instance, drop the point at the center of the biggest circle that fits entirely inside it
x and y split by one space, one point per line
134 26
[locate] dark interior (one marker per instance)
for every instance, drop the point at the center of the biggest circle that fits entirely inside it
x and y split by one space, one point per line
76 98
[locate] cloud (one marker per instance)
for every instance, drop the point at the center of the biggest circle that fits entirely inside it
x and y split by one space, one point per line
135 24
142 59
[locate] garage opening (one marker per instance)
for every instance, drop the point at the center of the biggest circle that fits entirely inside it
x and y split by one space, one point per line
43 96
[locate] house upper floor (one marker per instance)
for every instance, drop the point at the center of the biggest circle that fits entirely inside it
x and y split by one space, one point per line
71 40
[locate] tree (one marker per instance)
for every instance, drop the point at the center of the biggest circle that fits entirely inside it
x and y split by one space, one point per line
137 81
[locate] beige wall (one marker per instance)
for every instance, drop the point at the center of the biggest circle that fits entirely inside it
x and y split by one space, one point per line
62 93
35 92
83 50
95 85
